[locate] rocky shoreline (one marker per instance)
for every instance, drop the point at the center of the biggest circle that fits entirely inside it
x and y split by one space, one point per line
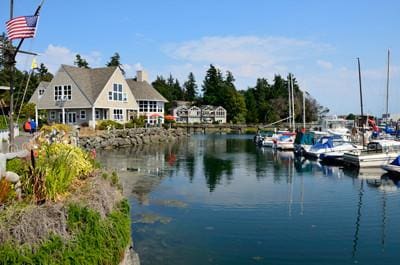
130 137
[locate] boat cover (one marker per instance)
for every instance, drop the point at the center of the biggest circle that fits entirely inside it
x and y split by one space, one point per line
396 162
324 142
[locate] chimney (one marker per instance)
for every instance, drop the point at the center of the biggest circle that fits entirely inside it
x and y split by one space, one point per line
141 76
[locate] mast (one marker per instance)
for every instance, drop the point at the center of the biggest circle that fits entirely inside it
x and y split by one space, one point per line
290 104
361 98
387 87
304 110
291 83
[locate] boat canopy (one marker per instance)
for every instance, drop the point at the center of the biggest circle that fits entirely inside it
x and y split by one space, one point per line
324 142
396 162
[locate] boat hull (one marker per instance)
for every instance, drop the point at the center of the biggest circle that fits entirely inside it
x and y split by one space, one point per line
369 160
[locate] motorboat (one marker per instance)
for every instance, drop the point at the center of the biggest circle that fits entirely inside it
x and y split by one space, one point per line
334 144
393 167
305 140
376 154
285 141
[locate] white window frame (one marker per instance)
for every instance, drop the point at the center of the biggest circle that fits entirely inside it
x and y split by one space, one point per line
117 94
82 114
52 115
97 114
63 92
118 114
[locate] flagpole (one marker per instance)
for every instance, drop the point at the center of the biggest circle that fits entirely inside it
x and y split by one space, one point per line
12 63
12 66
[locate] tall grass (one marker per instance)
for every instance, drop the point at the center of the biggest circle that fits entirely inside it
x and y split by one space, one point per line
62 164
94 240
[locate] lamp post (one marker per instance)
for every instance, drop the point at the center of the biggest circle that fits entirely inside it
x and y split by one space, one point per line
61 102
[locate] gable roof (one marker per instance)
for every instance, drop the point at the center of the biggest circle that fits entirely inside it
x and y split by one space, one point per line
144 91
35 96
90 81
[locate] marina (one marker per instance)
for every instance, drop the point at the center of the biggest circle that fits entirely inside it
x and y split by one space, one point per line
226 201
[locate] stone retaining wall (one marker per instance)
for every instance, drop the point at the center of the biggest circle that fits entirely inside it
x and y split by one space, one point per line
130 137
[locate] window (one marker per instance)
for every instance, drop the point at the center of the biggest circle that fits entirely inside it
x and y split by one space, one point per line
152 106
160 107
97 114
52 115
82 115
41 92
116 94
118 114
143 106
124 97
62 92
57 93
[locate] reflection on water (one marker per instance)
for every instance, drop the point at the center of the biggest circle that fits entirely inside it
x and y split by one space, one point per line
221 200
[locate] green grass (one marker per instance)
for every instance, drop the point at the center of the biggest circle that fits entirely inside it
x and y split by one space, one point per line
95 240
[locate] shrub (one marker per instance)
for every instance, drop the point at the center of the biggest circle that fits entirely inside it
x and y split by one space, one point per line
251 131
5 189
103 125
59 127
139 121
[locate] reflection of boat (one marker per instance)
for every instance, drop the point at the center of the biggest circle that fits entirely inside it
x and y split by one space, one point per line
393 167
377 153
386 183
369 173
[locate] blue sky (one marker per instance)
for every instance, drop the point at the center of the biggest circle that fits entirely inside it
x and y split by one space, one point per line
317 41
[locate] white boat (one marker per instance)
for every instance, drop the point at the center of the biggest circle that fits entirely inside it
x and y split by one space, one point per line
393 167
377 154
285 142
269 140
330 144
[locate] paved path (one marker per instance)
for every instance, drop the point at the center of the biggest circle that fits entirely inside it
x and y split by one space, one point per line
19 140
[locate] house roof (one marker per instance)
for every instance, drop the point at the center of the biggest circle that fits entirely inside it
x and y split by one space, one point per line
42 85
90 81
144 91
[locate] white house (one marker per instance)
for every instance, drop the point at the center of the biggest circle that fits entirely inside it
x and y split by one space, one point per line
151 103
79 95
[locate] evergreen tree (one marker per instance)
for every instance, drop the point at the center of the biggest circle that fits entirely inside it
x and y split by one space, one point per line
80 62
190 88
212 84
115 61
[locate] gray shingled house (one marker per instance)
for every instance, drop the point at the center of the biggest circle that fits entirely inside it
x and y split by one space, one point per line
79 95
151 102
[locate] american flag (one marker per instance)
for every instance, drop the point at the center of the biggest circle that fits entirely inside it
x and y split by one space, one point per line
21 27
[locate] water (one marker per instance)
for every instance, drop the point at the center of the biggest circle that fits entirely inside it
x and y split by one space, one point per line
218 199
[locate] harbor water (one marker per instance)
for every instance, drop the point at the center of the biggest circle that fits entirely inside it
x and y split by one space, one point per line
219 199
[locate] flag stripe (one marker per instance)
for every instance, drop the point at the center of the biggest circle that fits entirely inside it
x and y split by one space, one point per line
21 27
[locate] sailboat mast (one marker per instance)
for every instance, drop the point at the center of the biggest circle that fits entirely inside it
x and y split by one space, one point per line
387 87
304 110
361 98
289 103
291 83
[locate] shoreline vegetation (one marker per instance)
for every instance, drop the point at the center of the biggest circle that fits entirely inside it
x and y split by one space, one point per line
71 211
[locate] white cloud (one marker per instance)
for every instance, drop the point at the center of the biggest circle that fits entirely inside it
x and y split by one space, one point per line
325 64
55 55
246 56
250 57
